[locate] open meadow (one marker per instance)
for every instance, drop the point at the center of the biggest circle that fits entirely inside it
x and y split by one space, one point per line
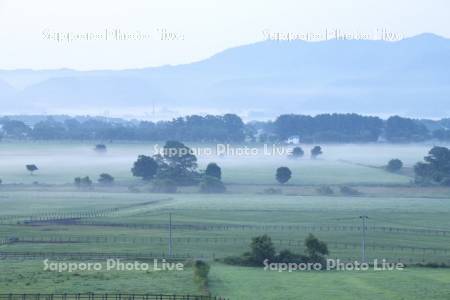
45 216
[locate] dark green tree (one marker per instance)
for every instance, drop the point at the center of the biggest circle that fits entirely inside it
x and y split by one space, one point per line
145 167
283 175
316 151
436 168
400 129
213 170
178 155
178 163
31 168
262 248
105 179
394 165
315 248
297 152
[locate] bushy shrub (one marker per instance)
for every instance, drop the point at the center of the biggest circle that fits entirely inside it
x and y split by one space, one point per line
201 271
286 256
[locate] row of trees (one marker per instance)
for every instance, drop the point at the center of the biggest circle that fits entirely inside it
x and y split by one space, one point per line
230 128
348 128
226 128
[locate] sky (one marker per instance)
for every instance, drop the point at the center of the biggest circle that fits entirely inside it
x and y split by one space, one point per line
87 35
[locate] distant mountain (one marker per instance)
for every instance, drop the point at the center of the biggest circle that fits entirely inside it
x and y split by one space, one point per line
410 77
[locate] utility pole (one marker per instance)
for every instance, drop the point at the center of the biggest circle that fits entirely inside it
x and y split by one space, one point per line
170 235
363 241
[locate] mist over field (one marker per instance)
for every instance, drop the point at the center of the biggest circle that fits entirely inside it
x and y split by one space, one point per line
62 161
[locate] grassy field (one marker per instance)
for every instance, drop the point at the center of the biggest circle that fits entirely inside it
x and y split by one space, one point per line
61 162
30 277
254 283
406 223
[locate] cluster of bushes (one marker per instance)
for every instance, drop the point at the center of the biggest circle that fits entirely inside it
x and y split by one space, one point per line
86 182
326 190
262 249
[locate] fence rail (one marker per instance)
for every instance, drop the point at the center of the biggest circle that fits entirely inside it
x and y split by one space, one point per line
214 240
107 296
242 227
97 255
93 213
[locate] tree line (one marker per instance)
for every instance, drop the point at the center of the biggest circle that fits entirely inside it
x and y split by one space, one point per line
337 128
226 128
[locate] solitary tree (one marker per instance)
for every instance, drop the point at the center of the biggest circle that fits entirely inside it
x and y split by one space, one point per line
394 165
262 248
31 168
297 152
316 151
213 170
145 167
283 174
105 179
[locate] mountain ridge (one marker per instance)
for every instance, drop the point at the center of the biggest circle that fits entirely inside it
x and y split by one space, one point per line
265 78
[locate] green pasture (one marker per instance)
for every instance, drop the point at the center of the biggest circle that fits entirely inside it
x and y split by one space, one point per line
255 283
54 216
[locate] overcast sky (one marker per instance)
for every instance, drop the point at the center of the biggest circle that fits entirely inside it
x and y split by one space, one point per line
32 33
